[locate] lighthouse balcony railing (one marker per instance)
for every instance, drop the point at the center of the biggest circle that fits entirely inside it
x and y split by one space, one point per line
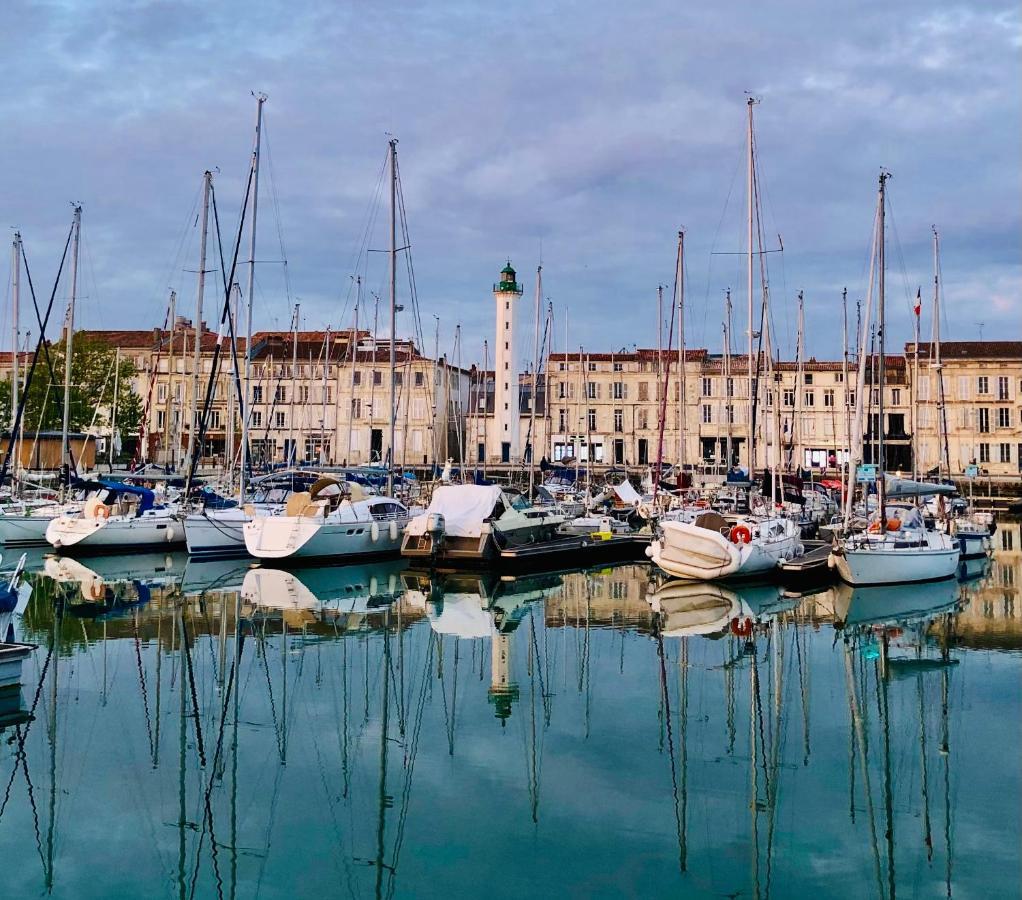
508 287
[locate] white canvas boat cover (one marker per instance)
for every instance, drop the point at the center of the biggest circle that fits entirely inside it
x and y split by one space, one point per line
626 493
463 506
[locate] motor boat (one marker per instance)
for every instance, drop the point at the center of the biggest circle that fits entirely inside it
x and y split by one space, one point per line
472 522
117 517
896 548
333 519
710 547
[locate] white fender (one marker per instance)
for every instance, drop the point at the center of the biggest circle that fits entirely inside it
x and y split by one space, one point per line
393 530
170 534
374 586
392 584
374 532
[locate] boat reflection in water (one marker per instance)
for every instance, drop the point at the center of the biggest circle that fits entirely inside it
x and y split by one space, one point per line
249 720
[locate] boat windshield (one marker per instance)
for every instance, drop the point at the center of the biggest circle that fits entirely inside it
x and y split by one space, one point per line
909 516
519 501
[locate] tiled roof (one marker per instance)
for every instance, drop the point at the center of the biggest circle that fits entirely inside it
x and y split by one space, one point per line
970 349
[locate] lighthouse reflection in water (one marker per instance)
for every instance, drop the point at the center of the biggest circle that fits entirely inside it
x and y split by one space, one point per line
227 730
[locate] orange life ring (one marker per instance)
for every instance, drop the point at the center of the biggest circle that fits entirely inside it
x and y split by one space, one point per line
740 628
702 504
740 534
893 524
103 512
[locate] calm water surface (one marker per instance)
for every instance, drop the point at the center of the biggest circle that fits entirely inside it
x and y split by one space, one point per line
214 731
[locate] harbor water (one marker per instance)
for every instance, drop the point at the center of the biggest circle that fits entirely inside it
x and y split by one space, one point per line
218 730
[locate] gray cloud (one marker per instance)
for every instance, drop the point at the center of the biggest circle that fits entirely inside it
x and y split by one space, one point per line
591 130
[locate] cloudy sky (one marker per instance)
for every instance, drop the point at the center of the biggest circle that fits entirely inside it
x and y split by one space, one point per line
588 132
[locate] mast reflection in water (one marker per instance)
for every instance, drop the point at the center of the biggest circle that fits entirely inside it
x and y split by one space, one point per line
217 730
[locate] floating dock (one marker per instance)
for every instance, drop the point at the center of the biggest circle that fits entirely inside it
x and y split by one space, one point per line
581 549
812 563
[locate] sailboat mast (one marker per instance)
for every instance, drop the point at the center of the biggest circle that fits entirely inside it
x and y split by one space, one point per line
535 383
728 384
915 388
15 306
943 453
800 379
353 344
881 263
393 308
844 381
680 281
294 386
193 424
750 188
69 330
113 416
246 414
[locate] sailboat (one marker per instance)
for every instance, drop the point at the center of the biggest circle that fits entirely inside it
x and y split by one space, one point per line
896 547
708 546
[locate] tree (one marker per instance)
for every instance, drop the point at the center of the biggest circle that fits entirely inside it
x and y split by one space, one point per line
91 394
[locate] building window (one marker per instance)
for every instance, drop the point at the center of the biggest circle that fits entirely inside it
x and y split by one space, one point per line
399 378
591 390
839 378
1007 539
1003 417
161 416
730 387
591 420
808 377
280 420
257 419
1005 453
562 420
280 394
618 367
356 378
810 398
377 376
619 391
257 393
420 379
161 390
1002 387
643 420
619 420
707 387
356 408
707 414
982 385
984 453
214 416
643 391
592 367
789 397
984 420
828 397
895 396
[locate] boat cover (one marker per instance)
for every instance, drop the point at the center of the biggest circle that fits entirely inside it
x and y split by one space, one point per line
464 507
904 487
626 493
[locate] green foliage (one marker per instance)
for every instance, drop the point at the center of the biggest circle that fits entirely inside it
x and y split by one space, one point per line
91 395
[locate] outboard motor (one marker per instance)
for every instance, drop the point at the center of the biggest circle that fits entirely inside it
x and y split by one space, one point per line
436 528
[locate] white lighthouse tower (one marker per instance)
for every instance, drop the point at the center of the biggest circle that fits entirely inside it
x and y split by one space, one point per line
504 446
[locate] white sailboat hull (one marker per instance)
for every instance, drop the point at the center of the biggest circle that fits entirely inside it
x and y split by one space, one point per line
881 562
216 533
78 533
24 531
293 537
